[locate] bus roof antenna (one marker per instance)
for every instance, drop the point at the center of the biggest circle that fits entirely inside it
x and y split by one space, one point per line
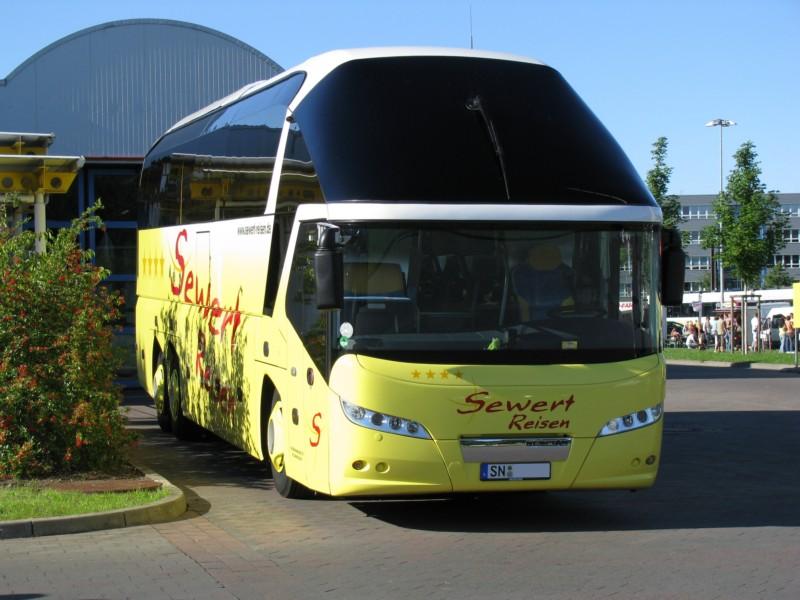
471 45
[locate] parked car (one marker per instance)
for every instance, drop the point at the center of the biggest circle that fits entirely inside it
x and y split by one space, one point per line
673 340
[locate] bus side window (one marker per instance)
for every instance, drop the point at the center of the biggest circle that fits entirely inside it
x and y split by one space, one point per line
281 229
310 323
273 268
299 182
220 166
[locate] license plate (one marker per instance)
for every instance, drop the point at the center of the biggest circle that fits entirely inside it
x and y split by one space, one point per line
514 471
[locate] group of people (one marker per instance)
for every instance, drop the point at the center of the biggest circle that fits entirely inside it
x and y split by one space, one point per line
721 330
726 333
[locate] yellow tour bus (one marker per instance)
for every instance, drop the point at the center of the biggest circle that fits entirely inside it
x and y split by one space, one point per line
407 271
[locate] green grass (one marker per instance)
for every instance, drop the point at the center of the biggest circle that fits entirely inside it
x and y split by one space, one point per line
773 357
29 501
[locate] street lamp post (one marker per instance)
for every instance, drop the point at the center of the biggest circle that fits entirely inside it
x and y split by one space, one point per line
722 124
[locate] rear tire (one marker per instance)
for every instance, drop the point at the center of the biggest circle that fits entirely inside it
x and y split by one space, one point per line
275 447
160 394
181 426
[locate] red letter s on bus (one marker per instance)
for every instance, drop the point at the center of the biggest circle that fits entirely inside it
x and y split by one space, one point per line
176 289
314 443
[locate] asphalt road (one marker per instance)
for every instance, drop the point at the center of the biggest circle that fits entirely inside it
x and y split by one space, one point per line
723 521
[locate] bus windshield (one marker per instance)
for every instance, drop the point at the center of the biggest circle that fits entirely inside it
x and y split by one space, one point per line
504 294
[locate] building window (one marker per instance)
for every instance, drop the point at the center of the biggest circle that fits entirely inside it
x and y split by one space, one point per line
791 236
788 261
692 286
793 210
698 263
694 238
700 211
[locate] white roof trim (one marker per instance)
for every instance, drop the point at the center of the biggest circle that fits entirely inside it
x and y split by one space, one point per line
373 211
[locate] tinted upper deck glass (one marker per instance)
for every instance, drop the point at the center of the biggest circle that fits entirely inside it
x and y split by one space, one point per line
444 129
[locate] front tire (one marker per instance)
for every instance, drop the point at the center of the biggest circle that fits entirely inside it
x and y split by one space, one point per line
275 451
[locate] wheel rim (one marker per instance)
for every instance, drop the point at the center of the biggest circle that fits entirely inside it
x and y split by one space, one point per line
275 437
158 388
174 393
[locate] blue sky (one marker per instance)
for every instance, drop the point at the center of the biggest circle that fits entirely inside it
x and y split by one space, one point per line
646 67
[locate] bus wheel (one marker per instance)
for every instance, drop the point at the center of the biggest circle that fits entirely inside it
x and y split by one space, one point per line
180 425
276 451
159 395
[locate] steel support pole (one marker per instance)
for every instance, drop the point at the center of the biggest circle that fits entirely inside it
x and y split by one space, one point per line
39 223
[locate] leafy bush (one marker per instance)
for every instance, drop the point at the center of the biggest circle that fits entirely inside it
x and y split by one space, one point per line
59 407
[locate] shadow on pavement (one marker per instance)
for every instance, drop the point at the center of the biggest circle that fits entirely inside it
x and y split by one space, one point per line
721 469
208 461
705 372
718 469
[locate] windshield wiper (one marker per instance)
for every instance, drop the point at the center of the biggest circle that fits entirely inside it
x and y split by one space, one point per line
599 194
476 104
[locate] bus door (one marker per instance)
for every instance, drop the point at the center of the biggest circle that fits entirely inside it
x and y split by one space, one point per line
308 354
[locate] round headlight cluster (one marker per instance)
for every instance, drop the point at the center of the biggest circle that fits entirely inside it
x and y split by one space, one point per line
383 422
641 418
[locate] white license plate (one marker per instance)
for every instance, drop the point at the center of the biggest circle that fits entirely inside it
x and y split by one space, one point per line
514 471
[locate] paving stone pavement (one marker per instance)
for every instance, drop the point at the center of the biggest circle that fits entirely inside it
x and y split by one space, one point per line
722 522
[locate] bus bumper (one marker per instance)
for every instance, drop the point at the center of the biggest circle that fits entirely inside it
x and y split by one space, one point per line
625 461
379 464
628 460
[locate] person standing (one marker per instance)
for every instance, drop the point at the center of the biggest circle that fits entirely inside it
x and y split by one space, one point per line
719 333
782 334
754 323
728 334
708 332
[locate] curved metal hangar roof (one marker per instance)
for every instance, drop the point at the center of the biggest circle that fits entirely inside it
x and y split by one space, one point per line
110 90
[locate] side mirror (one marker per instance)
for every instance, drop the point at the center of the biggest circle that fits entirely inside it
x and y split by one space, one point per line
328 266
673 265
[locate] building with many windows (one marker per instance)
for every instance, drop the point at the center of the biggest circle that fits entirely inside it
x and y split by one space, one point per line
702 270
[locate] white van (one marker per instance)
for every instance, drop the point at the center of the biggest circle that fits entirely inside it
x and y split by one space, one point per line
774 320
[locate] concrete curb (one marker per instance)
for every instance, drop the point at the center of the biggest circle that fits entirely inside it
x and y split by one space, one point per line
735 365
166 509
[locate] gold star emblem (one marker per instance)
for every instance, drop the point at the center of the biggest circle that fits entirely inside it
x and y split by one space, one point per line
161 266
430 374
415 374
444 374
459 374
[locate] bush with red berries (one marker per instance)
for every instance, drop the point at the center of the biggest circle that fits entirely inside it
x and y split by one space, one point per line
59 406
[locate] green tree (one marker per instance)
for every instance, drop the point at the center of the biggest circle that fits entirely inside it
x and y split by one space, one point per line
777 277
752 224
658 182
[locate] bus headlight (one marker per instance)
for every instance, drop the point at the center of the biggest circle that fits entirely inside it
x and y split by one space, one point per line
636 420
383 422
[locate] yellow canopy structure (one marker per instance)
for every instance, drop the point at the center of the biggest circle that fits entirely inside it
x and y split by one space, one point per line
27 170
